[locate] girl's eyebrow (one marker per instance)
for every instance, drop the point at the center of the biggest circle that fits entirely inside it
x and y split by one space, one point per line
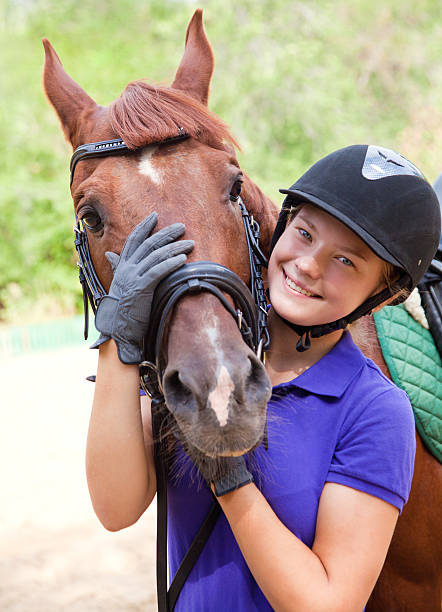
309 223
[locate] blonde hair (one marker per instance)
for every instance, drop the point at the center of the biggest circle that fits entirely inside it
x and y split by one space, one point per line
390 275
293 211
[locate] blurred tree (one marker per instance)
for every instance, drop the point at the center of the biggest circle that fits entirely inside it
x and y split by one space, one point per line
294 79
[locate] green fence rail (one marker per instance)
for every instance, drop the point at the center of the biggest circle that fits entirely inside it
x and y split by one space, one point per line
49 335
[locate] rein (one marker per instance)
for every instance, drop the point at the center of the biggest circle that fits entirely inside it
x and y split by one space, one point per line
249 311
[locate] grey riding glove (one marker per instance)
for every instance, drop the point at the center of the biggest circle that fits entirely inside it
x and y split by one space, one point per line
232 474
226 473
145 260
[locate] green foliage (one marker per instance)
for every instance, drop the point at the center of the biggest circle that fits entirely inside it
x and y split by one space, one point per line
294 79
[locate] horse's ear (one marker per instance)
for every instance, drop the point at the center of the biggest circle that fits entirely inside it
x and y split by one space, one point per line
68 99
195 70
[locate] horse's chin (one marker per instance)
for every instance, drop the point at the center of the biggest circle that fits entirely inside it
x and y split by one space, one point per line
213 447
210 465
234 453
224 453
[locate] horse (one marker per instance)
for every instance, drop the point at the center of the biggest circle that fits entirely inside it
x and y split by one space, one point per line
411 577
193 181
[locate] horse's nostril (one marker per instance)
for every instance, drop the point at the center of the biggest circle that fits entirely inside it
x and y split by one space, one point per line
175 390
256 370
257 381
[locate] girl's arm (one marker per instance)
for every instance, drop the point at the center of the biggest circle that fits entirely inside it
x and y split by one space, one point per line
119 455
353 532
119 458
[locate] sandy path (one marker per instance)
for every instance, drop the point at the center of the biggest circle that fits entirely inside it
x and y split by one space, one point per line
54 554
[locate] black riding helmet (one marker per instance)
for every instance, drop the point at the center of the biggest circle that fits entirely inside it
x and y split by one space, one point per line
386 201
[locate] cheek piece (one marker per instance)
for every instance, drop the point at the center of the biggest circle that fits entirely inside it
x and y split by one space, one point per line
387 202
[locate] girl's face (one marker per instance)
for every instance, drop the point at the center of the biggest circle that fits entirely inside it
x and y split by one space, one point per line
320 270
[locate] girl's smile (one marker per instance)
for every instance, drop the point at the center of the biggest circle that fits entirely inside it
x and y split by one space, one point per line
320 270
299 289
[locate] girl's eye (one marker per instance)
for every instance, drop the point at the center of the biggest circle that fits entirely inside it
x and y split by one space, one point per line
235 192
345 261
92 221
305 233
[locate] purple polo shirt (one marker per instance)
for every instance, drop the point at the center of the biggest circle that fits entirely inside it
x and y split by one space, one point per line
340 421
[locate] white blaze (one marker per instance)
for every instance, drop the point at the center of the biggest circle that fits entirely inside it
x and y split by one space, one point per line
219 397
146 166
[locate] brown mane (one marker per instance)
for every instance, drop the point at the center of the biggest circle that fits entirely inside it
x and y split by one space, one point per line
146 113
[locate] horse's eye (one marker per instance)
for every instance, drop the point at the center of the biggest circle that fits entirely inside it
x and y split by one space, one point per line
236 190
92 221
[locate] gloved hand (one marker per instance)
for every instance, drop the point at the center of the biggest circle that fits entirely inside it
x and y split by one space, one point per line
226 473
145 260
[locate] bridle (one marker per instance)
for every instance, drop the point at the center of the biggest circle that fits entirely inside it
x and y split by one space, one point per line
249 311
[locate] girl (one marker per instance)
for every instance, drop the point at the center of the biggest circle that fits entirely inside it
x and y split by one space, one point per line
307 523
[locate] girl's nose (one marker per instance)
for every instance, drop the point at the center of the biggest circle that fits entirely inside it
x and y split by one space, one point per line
309 265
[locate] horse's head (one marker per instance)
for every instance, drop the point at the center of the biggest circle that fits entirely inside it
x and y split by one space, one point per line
215 386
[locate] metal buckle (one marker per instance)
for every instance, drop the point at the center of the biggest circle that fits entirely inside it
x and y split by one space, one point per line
153 380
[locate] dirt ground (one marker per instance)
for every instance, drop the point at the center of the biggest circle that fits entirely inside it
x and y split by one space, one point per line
54 553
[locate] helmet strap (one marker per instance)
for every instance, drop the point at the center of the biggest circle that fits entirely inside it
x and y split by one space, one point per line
304 341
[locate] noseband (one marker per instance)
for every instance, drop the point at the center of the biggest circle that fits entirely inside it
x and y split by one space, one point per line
249 311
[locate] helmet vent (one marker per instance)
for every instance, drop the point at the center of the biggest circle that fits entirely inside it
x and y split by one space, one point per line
380 162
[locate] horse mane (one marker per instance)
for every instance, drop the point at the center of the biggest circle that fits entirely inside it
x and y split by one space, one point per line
146 113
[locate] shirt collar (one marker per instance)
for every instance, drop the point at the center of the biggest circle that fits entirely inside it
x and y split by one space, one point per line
333 373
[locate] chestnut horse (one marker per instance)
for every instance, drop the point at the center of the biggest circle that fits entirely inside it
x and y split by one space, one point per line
191 182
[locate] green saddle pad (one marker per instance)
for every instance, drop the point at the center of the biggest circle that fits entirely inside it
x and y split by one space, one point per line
415 366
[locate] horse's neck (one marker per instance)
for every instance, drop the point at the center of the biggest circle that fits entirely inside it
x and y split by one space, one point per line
365 336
